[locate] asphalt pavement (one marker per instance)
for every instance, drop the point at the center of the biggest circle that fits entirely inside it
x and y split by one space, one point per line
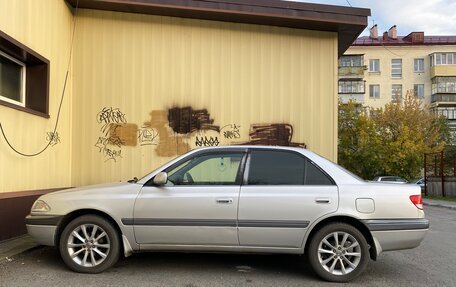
431 264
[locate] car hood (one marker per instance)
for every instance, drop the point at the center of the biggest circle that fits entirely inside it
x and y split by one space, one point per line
95 189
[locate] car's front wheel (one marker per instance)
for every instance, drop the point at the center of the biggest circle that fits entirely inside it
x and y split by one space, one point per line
338 252
89 244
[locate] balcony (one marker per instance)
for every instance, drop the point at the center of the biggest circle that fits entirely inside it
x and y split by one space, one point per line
357 98
352 71
443 71
443 98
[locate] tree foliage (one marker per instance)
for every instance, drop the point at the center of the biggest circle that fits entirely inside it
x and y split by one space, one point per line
390 140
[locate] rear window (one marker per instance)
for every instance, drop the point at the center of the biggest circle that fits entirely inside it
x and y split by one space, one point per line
284 168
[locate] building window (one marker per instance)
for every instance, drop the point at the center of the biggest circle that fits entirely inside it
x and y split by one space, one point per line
374 66
396 68
374 91
351 87
12 80
419 90
446 85
396 93
418 65
24 78
438 59
351 61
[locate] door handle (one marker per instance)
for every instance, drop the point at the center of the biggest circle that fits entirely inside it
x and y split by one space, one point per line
224 200
322 200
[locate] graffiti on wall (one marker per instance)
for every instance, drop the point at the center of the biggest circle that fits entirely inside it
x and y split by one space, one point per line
231 131
174 131
169 144
147 136
272 134
186 120
53 138
206 141
115 133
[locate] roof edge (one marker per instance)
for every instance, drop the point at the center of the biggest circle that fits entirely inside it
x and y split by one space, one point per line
348 22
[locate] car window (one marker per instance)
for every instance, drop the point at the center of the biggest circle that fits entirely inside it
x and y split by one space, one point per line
283 168
208 169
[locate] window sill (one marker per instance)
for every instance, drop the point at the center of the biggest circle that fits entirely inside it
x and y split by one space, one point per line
24 109
374 73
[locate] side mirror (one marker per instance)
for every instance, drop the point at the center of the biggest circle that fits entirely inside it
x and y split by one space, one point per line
161 179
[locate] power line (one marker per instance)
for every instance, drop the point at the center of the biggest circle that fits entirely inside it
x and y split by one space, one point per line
61 98
349 3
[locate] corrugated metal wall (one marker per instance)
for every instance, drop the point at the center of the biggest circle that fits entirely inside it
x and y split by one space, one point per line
45 27
130 70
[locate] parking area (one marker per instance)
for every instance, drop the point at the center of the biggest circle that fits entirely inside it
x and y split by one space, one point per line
432 264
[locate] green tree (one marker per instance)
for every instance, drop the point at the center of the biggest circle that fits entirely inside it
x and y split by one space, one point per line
390 140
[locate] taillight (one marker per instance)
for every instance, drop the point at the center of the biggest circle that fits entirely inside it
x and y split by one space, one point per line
417 200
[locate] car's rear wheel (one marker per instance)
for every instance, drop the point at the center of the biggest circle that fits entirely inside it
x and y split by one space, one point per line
338 252
89 244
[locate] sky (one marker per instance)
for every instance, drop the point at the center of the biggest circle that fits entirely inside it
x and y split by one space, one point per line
433 17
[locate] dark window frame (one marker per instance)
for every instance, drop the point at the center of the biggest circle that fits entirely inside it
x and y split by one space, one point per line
37 76
167 169
238 178
246 170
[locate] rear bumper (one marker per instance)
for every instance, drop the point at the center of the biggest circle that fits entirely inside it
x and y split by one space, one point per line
43 228
397 234
398 239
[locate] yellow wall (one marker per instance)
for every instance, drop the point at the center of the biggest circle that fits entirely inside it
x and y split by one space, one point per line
242 74
45 27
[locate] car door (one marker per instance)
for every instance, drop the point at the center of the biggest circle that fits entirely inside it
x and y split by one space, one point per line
282 194
198 205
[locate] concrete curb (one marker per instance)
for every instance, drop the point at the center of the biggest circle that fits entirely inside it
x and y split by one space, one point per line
442 204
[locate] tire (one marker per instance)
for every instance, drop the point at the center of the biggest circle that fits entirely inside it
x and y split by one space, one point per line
93 250
339 261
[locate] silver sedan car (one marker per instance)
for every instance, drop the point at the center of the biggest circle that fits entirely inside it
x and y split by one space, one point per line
256 199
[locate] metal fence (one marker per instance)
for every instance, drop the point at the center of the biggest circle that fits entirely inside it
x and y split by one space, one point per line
440 174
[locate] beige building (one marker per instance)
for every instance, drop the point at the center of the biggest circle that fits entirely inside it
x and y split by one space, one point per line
378 70
149 80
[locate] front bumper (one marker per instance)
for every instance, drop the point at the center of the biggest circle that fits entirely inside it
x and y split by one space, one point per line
43 228
397 234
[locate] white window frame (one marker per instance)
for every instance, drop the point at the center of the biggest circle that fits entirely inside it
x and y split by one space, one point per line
23 79
372 66
374 93
415 89
393 94
398 68
443 58
420 68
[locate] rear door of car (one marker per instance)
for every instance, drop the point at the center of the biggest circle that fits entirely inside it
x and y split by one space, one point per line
283 192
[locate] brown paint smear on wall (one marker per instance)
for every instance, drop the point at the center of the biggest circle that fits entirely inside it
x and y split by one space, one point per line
123 134
187 120
272 134
169 145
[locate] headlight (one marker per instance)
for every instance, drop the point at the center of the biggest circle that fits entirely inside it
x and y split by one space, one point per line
40 206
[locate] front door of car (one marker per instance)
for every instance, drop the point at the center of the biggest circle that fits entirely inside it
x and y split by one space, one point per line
282 194
198 204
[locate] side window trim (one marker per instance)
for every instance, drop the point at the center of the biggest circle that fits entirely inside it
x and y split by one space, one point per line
245 180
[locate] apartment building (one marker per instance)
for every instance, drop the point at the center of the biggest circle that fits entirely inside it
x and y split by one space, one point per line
378 70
